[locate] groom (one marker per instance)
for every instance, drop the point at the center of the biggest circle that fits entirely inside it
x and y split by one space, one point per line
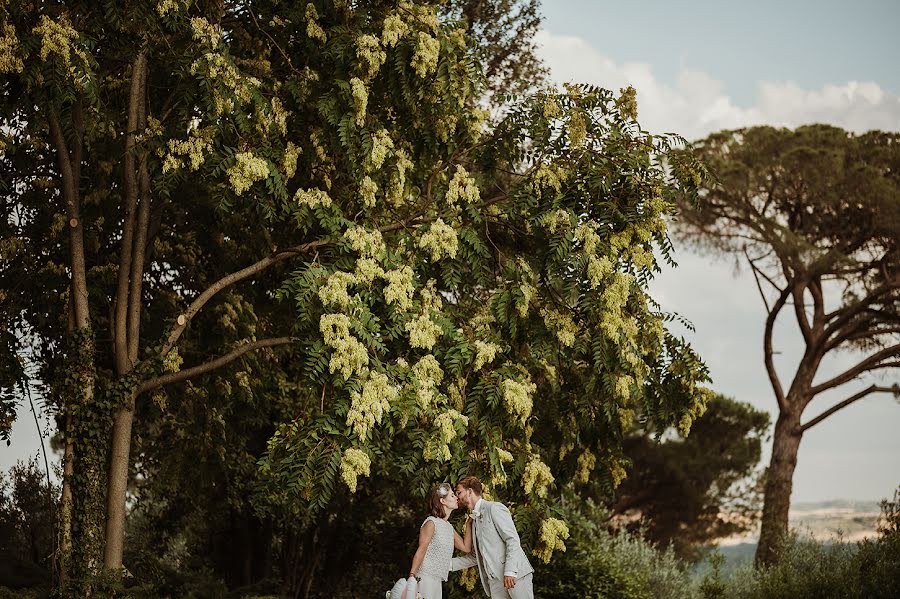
504 570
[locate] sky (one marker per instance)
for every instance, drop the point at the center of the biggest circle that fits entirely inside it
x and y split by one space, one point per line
702 66
698 67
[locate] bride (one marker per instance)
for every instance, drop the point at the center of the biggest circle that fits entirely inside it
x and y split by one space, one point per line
437 538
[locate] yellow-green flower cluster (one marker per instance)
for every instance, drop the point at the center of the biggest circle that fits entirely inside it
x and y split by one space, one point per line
440 239
561 324
173 361
423 332
348 355
381 145
528 292
368 408
312 197
334 291
587 234
614 297
368 49
697 409
598 269
536 477
552 534
504 456
577 129
367 269
627 102
425 58
431 299
289 162
462 186
586 463
246 170
192 148
365 242
164 7
546 177
367 190
617 472
313 29
446 425
517 398
394 29
622 388
360 99
428 376
56 38
484 353
205 32
550 107
9 43
399 290
354 462
558 220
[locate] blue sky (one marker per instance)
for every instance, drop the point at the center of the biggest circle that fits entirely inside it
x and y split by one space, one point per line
808 42
700 66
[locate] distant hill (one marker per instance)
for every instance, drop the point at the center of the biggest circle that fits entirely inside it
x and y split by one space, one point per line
825 521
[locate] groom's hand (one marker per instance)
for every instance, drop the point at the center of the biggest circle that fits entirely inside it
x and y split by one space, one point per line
509 582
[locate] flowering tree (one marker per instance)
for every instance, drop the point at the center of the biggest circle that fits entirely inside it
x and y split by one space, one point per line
464 295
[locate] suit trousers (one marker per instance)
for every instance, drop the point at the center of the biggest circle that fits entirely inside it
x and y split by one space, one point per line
522 590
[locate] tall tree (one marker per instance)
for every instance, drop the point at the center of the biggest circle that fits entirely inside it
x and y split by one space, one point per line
816 214
686 491
166 164
504 30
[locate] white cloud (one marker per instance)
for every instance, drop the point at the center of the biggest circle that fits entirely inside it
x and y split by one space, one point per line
698 104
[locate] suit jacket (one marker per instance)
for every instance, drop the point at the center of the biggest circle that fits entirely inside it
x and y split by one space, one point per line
496 548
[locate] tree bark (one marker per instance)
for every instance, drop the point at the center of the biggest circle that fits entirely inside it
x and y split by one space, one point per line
128 310
779 484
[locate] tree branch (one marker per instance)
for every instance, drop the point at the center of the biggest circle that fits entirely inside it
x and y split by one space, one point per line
756 278
183 375
128 220
767 348
867 391
870 363
843 315
798 290
140 234
278 256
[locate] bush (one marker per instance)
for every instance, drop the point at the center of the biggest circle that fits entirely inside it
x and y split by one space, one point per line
813 570
599 565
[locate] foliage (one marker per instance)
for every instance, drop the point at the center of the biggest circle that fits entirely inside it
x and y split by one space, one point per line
688 491
26 526
357 209
504 30
597 564
810 569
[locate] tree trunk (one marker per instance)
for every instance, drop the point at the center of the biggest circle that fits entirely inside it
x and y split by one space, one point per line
65 513
117 486
779 483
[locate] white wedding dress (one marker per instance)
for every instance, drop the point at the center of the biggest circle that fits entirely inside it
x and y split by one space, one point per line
435 566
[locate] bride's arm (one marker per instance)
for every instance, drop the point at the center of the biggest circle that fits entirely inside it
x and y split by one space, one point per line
425 535
464 544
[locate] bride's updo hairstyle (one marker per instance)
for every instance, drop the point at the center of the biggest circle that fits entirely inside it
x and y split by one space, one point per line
434 499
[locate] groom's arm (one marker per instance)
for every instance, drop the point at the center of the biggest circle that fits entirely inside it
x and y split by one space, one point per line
503 522
461 563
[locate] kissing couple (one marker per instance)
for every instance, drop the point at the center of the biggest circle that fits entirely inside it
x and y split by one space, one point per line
490 542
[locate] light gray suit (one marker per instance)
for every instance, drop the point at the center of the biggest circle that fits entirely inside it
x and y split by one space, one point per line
496 551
